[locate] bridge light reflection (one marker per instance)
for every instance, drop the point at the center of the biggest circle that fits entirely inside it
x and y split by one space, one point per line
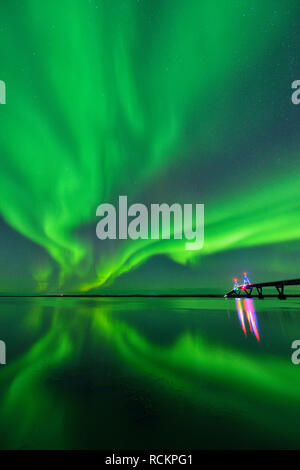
246 308
239 307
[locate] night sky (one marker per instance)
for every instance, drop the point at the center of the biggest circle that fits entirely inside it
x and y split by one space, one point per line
163 101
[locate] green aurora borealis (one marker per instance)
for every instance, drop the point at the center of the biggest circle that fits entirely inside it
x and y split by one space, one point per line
163 101
184 101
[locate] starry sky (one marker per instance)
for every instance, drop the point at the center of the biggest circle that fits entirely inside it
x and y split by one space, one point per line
165 101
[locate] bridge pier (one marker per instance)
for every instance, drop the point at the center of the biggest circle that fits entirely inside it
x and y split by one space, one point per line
280 290
259 291
248 292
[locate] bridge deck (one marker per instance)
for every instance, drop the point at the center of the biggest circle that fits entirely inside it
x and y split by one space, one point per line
279 285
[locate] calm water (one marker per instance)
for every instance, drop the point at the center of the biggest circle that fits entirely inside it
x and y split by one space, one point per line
149 373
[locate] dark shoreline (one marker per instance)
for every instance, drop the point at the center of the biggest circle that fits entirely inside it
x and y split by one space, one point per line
86 296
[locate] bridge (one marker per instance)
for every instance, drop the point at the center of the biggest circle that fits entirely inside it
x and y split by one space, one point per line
246 290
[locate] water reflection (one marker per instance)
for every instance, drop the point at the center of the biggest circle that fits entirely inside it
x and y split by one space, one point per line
246 308
111 373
